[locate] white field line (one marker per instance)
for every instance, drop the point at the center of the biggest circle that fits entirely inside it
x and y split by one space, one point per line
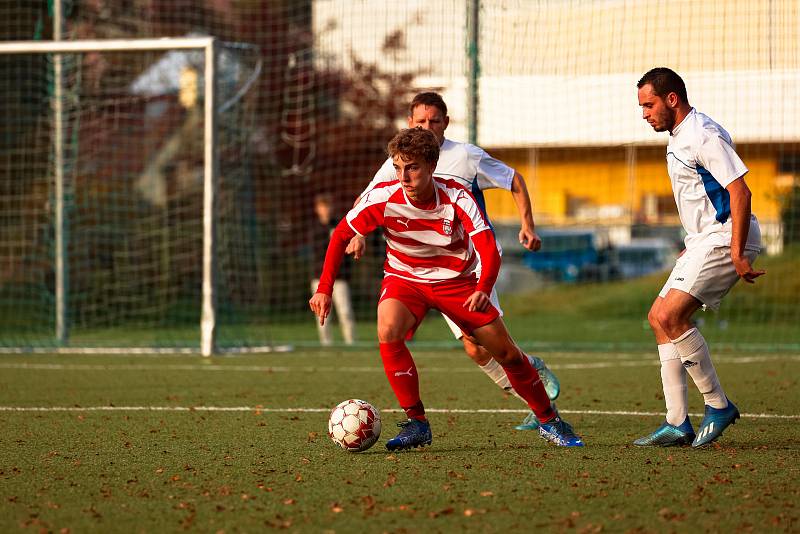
260 409
353 369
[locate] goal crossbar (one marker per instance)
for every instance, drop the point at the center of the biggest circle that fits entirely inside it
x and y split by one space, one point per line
105 45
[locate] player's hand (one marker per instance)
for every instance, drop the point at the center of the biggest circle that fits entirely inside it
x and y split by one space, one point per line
478 301
321 305
356 247
529 239
745 270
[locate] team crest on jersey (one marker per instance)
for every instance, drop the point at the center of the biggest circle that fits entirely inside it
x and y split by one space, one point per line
447 227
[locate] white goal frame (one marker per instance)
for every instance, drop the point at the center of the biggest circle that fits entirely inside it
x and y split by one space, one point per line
208 316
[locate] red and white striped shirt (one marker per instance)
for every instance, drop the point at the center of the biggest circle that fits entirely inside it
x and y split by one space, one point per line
422 245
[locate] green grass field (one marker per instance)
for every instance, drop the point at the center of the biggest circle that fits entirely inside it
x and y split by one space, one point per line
239 444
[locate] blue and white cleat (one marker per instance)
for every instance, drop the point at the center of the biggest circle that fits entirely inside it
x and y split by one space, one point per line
560 432
413 433
531 422
715 421
668 435
549 379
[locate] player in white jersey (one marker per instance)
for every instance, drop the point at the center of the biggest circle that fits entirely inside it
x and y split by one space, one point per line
722 242
476 170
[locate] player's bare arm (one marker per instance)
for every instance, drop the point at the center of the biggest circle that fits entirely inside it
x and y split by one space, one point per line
740 218
528 237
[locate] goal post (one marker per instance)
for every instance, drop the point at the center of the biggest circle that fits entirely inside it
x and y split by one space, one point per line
208 47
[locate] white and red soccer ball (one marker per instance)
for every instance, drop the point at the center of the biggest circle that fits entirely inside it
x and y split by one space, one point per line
354 425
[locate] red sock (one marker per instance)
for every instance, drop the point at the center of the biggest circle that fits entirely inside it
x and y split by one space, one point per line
402 374
526 382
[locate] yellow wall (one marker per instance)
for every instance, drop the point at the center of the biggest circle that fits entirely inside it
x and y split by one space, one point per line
601 176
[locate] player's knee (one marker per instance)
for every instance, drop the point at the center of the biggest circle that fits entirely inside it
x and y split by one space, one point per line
653 319
667 321
508 353
389 332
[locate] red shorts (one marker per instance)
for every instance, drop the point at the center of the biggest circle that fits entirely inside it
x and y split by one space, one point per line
448 297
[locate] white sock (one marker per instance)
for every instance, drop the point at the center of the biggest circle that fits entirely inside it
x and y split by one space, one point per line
673 380
495 371
696 360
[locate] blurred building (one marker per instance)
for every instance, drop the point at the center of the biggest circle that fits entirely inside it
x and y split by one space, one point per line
557 92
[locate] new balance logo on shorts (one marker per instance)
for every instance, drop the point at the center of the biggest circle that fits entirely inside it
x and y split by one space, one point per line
679 279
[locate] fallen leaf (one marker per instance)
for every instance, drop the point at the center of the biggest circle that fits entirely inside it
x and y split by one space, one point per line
368 501
446 511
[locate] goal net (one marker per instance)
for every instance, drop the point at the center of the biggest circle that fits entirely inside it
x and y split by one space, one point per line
104 239
126 200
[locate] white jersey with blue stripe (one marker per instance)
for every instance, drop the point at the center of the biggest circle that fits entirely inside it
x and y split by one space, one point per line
467 164
702 162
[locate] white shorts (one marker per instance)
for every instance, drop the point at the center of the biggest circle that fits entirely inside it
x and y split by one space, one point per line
707 274
457 330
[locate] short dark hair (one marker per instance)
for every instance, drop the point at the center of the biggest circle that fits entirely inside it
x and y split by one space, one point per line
428 98
664 82
414 143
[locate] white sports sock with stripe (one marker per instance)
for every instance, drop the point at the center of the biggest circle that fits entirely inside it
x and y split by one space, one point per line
673 380
693 349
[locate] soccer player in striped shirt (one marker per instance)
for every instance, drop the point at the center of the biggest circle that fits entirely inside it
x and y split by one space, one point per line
435 234
477 171
722 241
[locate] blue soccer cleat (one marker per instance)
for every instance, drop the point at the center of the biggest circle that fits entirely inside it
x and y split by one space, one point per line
413 433
715 421
560 432
668 435
549 379
531 422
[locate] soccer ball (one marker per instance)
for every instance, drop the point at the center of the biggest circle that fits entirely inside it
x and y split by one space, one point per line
354 425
